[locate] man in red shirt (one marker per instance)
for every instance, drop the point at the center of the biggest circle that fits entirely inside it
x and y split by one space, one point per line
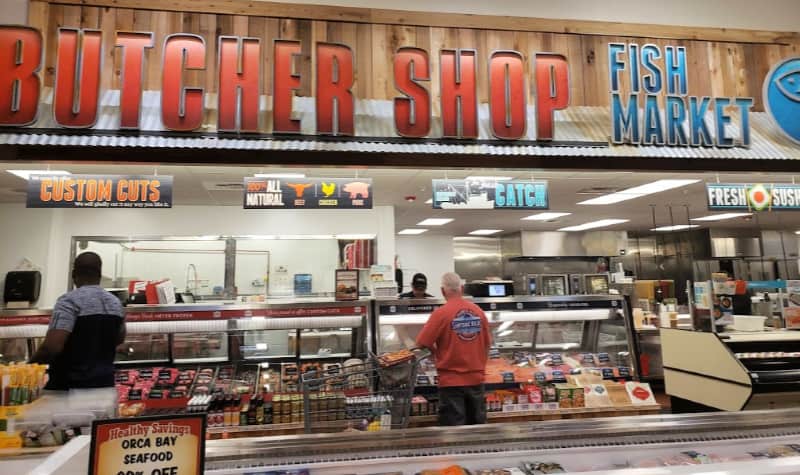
458 335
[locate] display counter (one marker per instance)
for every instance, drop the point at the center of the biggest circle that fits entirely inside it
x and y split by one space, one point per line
763 442
733 371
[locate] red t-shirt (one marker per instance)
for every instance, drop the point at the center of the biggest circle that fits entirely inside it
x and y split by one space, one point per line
458 334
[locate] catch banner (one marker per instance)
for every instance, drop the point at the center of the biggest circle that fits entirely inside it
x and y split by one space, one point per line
488 194
169 445
753 197
99 191
307 193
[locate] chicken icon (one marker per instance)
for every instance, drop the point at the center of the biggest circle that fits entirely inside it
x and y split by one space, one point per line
328 189
357 189
299 189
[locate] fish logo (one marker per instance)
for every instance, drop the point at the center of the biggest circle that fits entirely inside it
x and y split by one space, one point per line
782 96
328 189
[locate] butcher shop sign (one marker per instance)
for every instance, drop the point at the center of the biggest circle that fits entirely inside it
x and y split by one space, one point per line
265 192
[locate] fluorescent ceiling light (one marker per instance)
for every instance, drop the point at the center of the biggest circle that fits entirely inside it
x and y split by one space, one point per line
485 232
429 202
638 191
355 236
720 217
505 333
280 175
412 232
490 178
676 227
595 224
435 222
547 216
306 236
26 174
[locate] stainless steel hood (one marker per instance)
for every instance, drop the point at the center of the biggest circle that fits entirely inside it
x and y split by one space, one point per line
529 244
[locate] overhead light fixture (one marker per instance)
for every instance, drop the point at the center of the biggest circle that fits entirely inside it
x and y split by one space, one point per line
485 232
677 227
595 224
638 191
412 232
429 202
435 222
721 217
354 237
305 236
490 178
505 333
27 174
280 175
547 216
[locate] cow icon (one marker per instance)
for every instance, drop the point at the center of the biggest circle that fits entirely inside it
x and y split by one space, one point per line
357 189
299 189
328 189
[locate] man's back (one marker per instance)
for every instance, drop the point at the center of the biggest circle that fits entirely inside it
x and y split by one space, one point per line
459 334
94 318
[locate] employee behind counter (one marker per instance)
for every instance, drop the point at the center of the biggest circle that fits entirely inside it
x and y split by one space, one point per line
419 285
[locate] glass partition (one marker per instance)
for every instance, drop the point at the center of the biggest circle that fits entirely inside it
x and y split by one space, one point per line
225 267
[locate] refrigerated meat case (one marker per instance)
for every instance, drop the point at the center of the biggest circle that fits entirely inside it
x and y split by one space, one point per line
542 340
732 371
763 442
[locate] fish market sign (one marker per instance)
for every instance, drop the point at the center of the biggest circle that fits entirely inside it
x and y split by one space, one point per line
489 194
638 77
753 197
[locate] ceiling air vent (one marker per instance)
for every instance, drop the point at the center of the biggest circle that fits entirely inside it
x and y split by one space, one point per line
597 190
224 186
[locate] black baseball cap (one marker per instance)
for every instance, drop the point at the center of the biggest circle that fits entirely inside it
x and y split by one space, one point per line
419 281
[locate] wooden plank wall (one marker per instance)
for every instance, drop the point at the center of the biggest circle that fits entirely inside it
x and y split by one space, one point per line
715 68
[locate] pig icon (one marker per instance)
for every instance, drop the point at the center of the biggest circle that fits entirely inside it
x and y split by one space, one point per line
357 189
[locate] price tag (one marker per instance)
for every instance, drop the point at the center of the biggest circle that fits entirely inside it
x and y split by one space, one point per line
558 359
624 372
603 358
558 377
540 377
162 445
508 377
608 373
587 359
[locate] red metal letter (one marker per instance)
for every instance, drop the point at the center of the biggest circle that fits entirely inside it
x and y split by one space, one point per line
239 83
459 94
20 60
552 91
284 82
181 106
77 91
412 111
507 93
335 103
133 45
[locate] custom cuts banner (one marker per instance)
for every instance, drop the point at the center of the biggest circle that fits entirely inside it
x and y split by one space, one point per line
99 191
307 193
754 197
489 194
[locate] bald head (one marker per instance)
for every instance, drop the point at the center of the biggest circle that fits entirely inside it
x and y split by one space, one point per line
452 286
87 269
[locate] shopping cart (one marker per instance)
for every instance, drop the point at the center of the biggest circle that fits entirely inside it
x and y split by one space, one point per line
361 395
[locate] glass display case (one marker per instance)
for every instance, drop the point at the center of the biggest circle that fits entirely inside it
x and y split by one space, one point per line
198 333
534 336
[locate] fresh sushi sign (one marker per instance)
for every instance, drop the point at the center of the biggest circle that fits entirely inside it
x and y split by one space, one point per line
753 197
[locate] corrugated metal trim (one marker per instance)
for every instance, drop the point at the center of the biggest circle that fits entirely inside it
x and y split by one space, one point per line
581 129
